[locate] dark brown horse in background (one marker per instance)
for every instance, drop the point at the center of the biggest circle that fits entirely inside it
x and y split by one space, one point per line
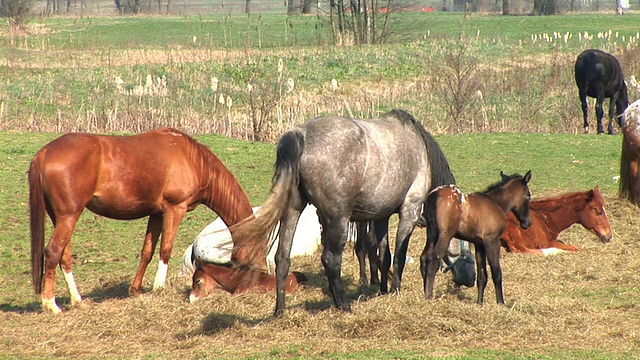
162 174
629 188
599 75
479 218
553 215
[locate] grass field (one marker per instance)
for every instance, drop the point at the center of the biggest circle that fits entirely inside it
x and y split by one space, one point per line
570 306
461 73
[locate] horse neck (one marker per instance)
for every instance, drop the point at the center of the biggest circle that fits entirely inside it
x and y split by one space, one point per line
559 212
501 198
223 194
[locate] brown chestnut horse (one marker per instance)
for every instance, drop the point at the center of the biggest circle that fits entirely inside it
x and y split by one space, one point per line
162 174
629 188
238 280
553 215
479 218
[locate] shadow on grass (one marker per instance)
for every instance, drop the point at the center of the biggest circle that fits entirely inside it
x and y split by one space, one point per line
109 292
32 307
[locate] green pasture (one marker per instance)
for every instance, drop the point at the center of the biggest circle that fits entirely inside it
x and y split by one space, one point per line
459 73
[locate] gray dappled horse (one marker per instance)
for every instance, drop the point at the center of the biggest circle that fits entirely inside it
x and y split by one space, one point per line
351 170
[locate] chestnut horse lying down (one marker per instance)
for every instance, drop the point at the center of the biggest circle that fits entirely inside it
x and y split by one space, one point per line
553 215
236 280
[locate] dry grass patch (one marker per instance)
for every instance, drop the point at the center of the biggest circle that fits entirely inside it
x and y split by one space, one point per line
561 304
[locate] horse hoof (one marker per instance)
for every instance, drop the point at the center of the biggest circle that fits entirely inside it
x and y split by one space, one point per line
50 306
134 292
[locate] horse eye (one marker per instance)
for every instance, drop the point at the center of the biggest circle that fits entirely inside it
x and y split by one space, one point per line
199 281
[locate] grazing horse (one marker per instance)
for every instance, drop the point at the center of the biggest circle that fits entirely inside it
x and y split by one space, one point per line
629 187
479 218
241 279
553 215
214 243
599 75
161 174
351 170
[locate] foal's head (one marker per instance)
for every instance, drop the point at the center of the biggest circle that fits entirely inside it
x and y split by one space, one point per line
517 186
594 216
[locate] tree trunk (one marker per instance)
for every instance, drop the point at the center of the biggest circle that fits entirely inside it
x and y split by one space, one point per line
247 7
544 7
292 6
505 7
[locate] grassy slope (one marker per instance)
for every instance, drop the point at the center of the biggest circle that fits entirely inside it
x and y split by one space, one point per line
104 269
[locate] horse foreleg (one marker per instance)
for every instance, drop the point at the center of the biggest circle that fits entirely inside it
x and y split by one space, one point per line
492 251
481 266
59 241
154 228
170 223
334 238
405 229
612 107
66 266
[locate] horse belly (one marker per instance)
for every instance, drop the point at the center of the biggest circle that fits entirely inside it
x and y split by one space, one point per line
120 208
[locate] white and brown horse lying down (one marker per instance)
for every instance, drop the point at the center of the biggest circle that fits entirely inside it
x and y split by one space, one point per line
207 261
553 215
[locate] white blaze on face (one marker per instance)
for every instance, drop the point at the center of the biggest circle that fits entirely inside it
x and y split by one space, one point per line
73 290
161 275
192 298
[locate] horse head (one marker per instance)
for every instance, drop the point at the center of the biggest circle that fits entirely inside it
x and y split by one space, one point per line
203 283
521 195
594 216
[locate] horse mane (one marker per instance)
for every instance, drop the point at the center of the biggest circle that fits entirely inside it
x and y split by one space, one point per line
505 179
440 170
222 191
561 201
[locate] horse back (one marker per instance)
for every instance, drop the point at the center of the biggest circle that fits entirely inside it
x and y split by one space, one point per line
368 165
598 67
122 177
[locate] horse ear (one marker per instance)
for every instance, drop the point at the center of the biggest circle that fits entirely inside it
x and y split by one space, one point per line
527 176
504 176
596 189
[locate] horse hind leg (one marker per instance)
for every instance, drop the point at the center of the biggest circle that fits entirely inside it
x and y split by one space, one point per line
58 252
362 251
66 266
481 266
584 106
381 234
334 238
